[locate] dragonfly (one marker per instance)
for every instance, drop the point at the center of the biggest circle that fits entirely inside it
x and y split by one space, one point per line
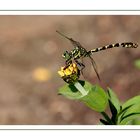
79 52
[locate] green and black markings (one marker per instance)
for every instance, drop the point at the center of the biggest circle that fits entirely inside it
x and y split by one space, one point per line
79 52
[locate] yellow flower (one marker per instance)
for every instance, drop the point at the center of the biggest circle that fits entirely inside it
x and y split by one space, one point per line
70 74
68 71
71 68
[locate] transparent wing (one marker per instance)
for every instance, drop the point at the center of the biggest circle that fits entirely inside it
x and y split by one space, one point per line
95 67
74 43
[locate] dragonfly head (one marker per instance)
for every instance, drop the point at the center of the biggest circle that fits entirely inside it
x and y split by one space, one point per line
66 55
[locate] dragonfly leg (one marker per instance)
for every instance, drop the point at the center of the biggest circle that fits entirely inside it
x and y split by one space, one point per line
82 66
67 64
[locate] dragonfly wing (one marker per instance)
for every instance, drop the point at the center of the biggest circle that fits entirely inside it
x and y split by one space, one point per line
95 67
74 43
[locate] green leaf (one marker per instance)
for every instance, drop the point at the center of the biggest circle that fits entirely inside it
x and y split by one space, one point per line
133 101
107 118
131 114
113 98
123 111
113 111
96 99
104 122
137 63
135 121
71 92
132 111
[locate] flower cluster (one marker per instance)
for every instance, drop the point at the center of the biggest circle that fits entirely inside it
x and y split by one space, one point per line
70 74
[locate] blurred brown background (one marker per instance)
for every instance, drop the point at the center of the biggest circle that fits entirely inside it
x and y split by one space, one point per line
30 56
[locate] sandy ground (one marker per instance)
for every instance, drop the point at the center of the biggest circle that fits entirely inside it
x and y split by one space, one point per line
30 56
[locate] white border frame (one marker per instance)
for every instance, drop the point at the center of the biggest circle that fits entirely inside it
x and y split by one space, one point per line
69 12
69 127
69 4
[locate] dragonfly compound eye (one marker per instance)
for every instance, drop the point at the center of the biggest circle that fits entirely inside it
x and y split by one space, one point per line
66 55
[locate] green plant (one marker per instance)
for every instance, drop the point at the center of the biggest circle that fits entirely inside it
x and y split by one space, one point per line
137 63
98 99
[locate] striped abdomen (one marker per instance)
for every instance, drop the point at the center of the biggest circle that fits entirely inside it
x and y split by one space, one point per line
125 45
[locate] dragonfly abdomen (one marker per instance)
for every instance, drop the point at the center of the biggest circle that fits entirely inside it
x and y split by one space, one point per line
125 45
